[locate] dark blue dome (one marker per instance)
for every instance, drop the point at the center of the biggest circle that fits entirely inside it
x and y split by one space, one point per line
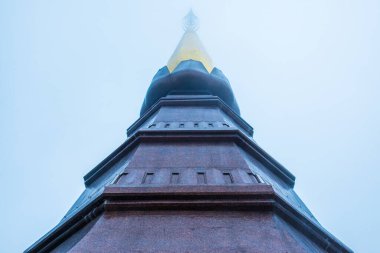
189 77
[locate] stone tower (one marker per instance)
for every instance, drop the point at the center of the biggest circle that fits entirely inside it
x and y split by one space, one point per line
189 177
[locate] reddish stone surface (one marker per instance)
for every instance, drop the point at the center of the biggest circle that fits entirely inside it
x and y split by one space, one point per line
189 179
192 231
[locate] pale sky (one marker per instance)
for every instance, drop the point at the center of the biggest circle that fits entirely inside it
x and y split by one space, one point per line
306 74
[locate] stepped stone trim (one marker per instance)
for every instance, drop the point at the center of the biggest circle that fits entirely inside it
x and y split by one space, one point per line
257 197
207 134
191 101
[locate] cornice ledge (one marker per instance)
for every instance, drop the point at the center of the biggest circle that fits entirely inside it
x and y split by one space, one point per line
188 100
222 198
201 134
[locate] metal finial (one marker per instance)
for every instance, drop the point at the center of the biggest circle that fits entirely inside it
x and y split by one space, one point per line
190 22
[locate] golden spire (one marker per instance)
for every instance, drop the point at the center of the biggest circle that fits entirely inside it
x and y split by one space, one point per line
190 46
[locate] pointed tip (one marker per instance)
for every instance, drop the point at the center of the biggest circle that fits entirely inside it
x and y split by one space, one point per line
190 21
190 47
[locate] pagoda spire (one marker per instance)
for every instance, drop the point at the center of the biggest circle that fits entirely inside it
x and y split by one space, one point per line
190 46
189 177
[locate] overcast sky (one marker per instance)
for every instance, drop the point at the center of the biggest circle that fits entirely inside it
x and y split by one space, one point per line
306 74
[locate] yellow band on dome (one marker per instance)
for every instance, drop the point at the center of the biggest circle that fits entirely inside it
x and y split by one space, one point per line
190 47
